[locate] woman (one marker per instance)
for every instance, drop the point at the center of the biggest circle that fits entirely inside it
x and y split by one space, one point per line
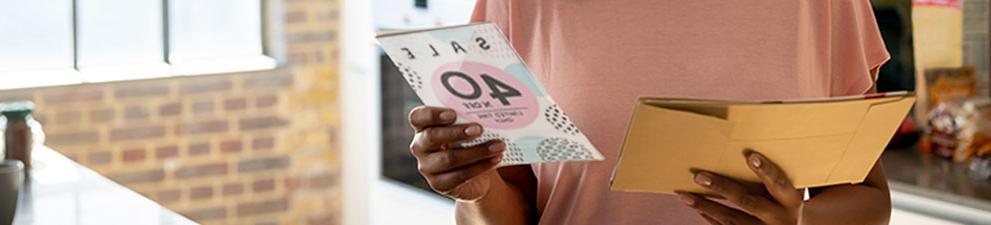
597 56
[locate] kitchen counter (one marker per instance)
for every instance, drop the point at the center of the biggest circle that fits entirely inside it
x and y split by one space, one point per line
60 191
936 186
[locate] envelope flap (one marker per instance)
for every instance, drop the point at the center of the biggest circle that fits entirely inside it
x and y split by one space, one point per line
789 121
873 134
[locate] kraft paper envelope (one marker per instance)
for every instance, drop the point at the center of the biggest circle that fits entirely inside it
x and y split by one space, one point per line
817 142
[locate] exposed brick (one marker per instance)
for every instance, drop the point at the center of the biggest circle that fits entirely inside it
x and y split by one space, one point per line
133 155
255 123
136 113
199 193
292 183
17 95
262 143
170 151
262 207
263 185
170 109
206 214
141 90
263 164
101 115
68 117
198 149
275 80
99 157
168 196
202 106
203 127
138 176
193 86
266 101
321 181
231 146
235 104
323 219
311 37
295 17
204 170
297 58
234 188
72 95
64 138
137 133
330 15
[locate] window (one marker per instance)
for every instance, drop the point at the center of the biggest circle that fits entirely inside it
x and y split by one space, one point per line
56 42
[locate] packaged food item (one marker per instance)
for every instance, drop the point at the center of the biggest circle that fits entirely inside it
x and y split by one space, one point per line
946 84
945 123
961 129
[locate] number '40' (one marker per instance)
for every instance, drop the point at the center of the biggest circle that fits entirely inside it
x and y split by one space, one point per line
499 90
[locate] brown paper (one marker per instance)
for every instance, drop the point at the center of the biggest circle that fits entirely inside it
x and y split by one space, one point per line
817 143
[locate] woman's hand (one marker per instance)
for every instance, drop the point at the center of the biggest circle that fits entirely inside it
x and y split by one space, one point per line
775 202
464 174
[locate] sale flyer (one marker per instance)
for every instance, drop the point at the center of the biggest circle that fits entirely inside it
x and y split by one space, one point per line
473 70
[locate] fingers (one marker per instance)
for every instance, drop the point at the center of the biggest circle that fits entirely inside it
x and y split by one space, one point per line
444 161
431 139
445 182
733 191
423 117
717 213
775 180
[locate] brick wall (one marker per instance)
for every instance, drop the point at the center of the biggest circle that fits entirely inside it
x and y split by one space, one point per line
241 148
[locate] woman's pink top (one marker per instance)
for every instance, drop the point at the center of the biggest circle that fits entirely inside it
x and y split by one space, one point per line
596 57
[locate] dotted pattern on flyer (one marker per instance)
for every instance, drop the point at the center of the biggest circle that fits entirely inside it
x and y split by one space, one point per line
560 149
413 78
512 155
560 121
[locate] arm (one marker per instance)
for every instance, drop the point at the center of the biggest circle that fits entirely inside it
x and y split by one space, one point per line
776 201
865 203
484 194
510 200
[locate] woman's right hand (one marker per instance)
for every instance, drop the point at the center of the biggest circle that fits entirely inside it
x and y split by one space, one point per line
464 174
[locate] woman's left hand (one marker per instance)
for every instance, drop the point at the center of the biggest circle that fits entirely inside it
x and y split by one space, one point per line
775 202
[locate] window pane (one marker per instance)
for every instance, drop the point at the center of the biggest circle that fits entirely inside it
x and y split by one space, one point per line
204 30
35 35
120 32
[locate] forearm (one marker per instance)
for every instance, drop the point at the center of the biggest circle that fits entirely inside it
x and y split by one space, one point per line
865 203
504 204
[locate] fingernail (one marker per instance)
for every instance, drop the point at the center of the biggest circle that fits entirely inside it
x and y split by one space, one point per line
497 147
755 160
703 180
689 201
473 130
447 115
497 160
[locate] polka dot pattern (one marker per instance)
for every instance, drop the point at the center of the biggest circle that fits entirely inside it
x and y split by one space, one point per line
412 77
512 155
559 149
555 117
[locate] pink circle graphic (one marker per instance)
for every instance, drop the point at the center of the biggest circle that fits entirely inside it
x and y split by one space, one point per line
485 94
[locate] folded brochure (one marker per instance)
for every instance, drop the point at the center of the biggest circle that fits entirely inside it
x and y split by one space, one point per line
815 142
473 70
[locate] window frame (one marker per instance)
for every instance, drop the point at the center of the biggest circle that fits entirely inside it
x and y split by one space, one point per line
272 57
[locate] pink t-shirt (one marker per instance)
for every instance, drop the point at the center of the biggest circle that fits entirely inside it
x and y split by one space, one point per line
596 57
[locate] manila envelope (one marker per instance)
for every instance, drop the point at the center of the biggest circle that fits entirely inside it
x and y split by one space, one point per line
816 142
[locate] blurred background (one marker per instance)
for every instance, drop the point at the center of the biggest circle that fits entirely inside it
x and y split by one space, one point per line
287 112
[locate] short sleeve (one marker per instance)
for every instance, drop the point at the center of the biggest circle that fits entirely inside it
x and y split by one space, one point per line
857 49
